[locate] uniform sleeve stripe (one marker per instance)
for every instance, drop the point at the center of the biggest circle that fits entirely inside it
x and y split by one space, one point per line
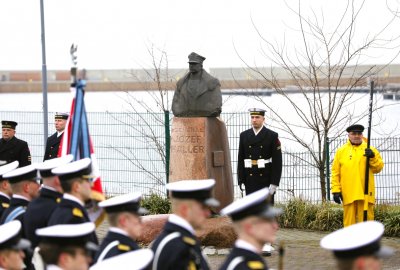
161 246
107 249
232 265
15 213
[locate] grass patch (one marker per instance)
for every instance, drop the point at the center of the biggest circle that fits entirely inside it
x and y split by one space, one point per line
302 214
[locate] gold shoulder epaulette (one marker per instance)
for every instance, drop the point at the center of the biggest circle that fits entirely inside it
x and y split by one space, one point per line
123 247
255 265
189 240
77 212
191 266
5 205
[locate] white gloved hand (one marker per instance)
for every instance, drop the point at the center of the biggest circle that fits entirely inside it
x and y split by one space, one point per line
272 189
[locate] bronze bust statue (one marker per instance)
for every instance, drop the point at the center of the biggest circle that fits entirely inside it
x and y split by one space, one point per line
197 94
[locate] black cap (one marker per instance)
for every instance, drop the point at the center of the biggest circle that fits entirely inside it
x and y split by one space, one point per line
10 237
9 124
355 128
199 190
80 168
254 204
21 174
124 203
196 58
257 111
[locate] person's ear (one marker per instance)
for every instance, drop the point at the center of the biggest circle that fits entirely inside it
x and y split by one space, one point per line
359 263
247 227
75 186
184 209
4 184
25 187
122 219
64 259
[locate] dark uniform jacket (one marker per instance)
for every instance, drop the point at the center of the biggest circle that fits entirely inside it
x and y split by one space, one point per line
176 248
265 145
52 145
38 213
15 149
70 212
243 259
16 211
4 204
115 244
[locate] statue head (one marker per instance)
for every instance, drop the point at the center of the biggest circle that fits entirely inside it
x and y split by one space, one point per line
195 62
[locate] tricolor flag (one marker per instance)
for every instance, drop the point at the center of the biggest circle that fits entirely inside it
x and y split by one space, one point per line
76 141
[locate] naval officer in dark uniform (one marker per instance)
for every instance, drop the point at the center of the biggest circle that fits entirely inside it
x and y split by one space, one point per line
76 183
67 246
254 220
260 156
358 246
12 246
177 247
53 142
40 209
25 188
12 148
5 187
123 214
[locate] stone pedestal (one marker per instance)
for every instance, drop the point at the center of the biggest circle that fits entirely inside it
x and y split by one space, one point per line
200 150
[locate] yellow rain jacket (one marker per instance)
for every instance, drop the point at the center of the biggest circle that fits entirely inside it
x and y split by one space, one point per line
348 172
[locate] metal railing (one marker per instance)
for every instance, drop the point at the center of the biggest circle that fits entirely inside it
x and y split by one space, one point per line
131 151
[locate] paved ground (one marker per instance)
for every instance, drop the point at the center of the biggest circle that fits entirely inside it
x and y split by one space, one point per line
302 251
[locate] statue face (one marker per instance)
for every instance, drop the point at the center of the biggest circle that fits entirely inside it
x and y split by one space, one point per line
195 67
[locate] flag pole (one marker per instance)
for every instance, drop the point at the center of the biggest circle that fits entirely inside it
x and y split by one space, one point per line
44 77
366 183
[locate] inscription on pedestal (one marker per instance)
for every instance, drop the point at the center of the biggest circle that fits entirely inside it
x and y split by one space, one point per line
188 149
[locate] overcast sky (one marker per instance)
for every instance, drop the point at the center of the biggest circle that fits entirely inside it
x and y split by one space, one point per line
115 34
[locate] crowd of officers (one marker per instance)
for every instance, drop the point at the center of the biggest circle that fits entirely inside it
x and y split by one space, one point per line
50 228
44 221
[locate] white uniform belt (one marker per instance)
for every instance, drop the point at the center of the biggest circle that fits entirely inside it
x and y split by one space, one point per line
260 163
255 161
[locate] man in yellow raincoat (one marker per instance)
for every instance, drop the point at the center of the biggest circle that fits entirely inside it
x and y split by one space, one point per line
348 176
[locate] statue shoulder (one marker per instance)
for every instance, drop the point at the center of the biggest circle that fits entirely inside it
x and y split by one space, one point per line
212 82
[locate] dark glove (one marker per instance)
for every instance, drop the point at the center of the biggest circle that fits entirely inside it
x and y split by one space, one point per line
369 153
337 197
241 184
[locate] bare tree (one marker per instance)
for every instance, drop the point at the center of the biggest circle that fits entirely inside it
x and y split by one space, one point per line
324 67
141 126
